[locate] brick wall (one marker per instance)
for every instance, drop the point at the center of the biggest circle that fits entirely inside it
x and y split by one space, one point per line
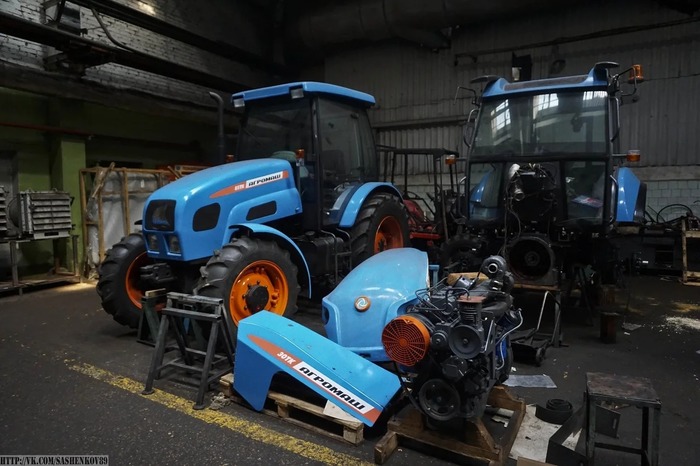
18 51
664 193
216 20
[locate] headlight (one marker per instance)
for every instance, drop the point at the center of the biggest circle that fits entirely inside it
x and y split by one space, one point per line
174 244
153 242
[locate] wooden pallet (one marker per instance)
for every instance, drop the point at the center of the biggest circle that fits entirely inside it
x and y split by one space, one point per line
301 413
475 445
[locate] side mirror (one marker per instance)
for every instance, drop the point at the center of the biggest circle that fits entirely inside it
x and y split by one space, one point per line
470 128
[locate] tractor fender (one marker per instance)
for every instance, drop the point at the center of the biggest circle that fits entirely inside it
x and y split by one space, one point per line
630 194
370 296
357 198
257 230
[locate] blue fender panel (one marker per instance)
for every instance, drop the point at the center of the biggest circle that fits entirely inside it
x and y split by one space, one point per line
374 293
627 194
353 207
264 230
268 343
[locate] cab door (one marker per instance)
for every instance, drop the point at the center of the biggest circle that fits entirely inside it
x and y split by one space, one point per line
347 155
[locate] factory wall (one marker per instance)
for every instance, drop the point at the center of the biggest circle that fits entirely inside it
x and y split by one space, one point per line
230 22
415 87
38 132
48 156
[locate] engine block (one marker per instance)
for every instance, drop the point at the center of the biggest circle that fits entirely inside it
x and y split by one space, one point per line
452 346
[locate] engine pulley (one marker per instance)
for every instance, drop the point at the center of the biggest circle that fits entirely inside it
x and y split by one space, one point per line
465 341
439 400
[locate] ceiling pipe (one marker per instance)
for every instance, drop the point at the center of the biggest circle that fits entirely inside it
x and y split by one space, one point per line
216 47
473 55
417 20
15 26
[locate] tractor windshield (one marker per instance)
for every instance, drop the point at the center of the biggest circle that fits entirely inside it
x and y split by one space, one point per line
570 122
275 130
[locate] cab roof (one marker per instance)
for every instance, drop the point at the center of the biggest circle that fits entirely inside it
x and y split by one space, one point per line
597 78
309 87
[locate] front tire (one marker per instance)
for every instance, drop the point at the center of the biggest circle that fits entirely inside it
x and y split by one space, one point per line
250 275
118 283
381 224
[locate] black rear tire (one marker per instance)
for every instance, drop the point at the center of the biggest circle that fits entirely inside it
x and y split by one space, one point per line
118 279
382 223
244 261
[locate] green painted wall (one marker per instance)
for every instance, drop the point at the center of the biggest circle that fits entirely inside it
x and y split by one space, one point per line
48 159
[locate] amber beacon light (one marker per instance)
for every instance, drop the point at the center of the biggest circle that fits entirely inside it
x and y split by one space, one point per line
636 75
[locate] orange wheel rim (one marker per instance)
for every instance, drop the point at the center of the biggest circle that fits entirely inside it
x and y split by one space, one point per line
260 273
132 279
389 235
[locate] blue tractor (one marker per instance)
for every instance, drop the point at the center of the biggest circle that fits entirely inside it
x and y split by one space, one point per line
545 182
300 207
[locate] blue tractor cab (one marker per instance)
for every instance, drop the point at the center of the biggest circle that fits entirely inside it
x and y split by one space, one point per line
544 177
299 207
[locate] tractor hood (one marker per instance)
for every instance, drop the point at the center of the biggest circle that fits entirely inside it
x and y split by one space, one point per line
189 218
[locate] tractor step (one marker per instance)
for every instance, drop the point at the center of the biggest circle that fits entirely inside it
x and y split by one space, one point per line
476 444
301 413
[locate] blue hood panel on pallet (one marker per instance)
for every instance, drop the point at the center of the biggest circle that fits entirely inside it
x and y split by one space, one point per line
268 344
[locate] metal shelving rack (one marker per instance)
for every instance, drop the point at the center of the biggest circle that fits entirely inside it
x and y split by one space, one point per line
20 283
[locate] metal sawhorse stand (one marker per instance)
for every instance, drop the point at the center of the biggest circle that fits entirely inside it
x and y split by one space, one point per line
183 311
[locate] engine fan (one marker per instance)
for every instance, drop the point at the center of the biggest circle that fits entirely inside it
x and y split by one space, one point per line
453 345
532 260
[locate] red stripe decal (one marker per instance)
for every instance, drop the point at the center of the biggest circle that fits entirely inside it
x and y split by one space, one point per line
342 395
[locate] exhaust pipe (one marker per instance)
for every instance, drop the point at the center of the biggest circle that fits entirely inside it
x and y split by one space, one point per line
221 137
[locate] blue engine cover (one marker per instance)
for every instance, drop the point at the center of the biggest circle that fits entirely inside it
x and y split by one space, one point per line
257 191
268 344
629 196
374 293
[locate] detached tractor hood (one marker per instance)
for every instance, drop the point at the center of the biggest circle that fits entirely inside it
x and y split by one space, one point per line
420 21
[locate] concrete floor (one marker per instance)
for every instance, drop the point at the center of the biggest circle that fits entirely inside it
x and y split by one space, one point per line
72 378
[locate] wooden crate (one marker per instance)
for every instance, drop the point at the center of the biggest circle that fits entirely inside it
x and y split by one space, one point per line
690 240
301 413
475 445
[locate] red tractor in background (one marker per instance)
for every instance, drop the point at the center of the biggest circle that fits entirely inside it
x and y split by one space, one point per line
436 220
